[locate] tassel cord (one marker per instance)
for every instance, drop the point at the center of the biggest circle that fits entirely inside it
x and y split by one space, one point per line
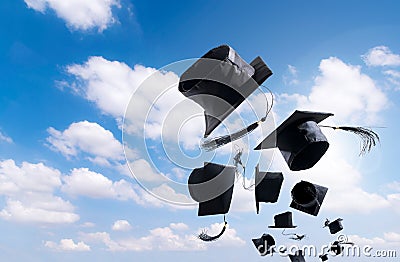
214 143
207 238
369 138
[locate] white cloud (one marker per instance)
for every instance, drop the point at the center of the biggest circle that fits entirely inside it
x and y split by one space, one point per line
109 84
345 91
87 137
28 177
166 192
179 226
121 225
143 171
155 104
5 138
392 73
363 241
242 199
393 77
228 239
172 238
88 224
389 239
290 78
353 97
67 245
381 56
79 14
83 182
30 194
32 212
395 185
392 237
157 239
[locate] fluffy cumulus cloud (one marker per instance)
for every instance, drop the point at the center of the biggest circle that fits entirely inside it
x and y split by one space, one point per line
79 14
381 56
173 238
29 190
121 225
355 99
134 93
67 244
84 182
344 90
87 137
108 84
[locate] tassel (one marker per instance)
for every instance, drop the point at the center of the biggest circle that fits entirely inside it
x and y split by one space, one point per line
203 235
368 137
214 143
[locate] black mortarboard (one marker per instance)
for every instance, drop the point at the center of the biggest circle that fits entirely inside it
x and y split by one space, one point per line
264 244
337 248
297 257
334 226
299 139
220 81
212 187
283 220
268 187
323 257
308 197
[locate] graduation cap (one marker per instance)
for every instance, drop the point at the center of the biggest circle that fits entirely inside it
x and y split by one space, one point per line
264 244
299 139
219 82
297 257
212 186
283 220
336 248
308 197
268 186
334 226
302 143
324 257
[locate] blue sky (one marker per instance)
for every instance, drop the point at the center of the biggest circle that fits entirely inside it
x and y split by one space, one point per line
69 69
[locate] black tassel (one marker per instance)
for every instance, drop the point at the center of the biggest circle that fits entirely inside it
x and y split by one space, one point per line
203 235
214 143
368 137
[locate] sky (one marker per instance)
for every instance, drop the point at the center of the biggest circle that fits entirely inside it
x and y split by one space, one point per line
97 143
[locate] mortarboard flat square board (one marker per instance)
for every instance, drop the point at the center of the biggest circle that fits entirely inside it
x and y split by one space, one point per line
264 244
212 187
297 257
268 187
299 139
220 81
335 226
323 257
308 197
